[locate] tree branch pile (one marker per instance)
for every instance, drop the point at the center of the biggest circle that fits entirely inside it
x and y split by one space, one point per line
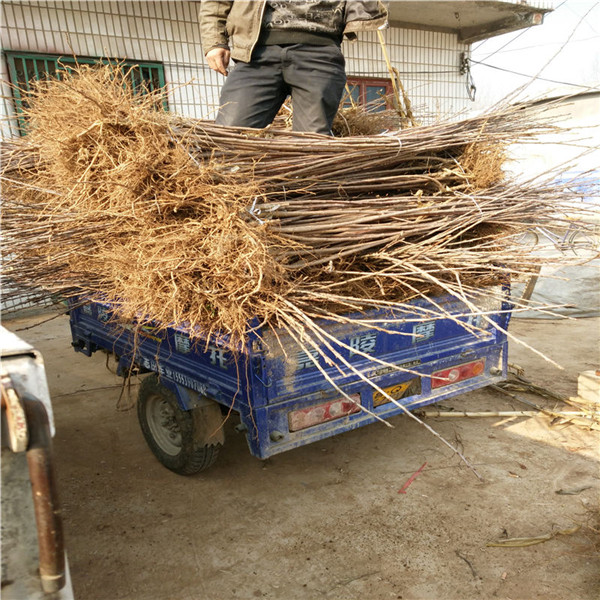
180 221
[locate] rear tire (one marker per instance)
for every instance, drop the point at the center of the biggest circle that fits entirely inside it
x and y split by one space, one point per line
171 433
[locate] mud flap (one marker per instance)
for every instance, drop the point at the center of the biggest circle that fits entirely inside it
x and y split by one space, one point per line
208 425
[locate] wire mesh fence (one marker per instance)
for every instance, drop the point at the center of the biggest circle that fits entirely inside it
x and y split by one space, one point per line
168 33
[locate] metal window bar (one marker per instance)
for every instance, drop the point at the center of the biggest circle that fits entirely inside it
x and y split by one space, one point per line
25 67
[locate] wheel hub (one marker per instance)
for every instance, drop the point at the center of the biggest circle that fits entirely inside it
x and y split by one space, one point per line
163 425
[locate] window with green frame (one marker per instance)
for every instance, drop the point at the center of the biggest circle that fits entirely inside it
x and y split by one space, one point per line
25 67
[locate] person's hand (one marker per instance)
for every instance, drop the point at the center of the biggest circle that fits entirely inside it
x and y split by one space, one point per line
218 60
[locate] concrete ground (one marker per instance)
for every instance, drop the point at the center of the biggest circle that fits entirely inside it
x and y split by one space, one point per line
326 520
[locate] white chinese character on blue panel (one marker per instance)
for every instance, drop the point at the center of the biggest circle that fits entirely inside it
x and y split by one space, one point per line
424 331
304 361
182 343
218 357
364 343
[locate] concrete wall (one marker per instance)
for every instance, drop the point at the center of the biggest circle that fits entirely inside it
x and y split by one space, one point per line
572 154
573 149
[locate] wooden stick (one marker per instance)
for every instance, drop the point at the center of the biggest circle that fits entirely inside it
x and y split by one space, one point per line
576 420
498 413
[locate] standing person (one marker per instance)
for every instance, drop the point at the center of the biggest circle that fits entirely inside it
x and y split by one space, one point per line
281 48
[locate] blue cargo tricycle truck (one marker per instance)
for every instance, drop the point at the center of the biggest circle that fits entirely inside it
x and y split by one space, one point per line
282 397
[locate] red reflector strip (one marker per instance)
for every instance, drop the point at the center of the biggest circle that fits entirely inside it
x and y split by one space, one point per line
313 415
457 373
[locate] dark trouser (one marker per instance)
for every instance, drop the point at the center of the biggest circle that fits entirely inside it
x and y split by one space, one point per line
314 76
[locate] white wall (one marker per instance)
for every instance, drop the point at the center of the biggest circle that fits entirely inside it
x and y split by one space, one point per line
575 148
